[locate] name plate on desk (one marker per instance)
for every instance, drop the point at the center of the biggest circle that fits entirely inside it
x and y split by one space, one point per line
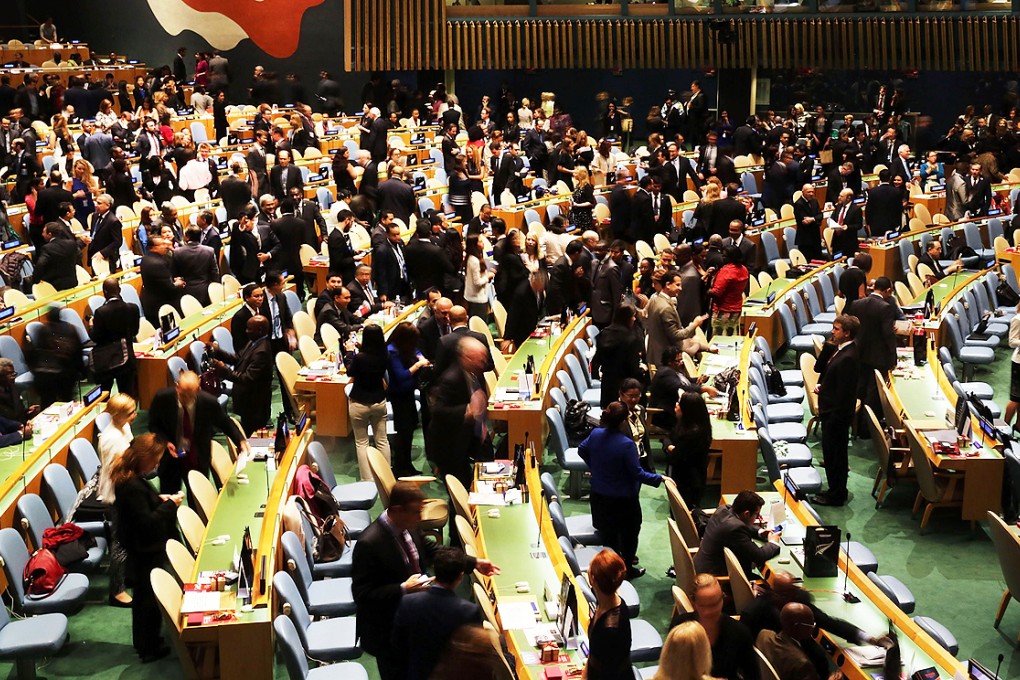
172 335
6 313
11 244
92 396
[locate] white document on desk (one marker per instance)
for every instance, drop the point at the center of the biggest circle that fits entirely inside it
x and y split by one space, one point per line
202 601
517 615
866 655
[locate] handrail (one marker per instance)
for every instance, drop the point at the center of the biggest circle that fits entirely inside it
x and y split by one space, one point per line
781 295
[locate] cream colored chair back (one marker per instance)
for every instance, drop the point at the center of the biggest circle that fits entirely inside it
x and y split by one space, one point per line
681 601
915 283
383 475
797 258
100 266
782 268
181 561
192 527
459 498
40 291
764 279
304 325
310 352
924 271
661 243
922 213
499 314
786 211
231 286
306 253
466 533
681 514
222 463
330 337
770 215
903 294
215 291
644 250
170 596
170 309
82 274
682 561
482 596
753 287
912 261
479 326
190 306
204 494
743 593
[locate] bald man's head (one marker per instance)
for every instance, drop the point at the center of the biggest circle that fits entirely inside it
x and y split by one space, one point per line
111 288
458 316
257 327
188 385
442 309
798 621
474 356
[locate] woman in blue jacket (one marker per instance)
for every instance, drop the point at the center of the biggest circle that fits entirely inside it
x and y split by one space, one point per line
404 363
616 479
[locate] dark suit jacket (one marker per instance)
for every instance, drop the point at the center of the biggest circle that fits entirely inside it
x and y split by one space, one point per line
446 350
724 211
876 340
386 272
281 183
398 197
115 320
979 195
836 181
56 262
210 418
239 326
252 375
747 249
617 355
197 265
809 234
746 140
564 289
341 319
235 194
310 214
244 250
107 239
376 144
674 183
341 256
423 626
620 212
288 231
286 317
523 314
359 296
885 209
429 338
378 568
725 530
836 403
642 217
607 289
427 264
158 288
846 242
455 439
370 181
149 521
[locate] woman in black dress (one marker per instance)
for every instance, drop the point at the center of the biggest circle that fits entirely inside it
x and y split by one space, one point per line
609 635
612 122
120 185
687 451
219 110
343 171
146 520
582 201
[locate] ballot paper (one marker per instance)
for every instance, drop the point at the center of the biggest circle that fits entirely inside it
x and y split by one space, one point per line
866 655
517 615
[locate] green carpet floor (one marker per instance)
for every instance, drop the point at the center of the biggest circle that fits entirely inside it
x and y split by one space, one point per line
952 571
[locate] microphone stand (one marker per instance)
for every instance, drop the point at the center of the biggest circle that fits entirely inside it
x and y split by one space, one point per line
847 595
541 510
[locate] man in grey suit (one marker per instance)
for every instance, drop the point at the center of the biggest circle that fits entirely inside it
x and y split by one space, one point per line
956 193
662 325
196 264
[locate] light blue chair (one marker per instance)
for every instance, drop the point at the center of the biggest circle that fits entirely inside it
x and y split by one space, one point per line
591 395
353 496
58 484
785 432
939 633
566 456
330 597
69 596
295 657
326 639
806 478
981 390
895 590
85 459
35 519
859 553
579 558
336 568
794 339
28 640
176 366
9 349
791 377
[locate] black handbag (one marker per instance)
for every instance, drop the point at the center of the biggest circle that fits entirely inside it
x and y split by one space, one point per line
109 356
1006 295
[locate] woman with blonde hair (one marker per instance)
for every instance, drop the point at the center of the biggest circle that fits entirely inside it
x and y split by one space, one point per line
113 442
582 200
84 189
146 520
60 139
703 212
602 163
686 654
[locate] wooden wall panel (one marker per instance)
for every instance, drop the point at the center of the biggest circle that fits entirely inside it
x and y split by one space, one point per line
415 34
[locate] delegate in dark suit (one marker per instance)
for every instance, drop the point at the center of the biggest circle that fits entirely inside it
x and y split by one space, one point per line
724 211
846 241
423 626
885 209
876 341
256 161
281 179
620 213
524 312
56 262
380 565
107 237
607 290
617 356
239 326
343 320
158 287
390 279
196 264
235 194
113 321
979 196
252 375
838 367
809 227
446 349
427 265
341 255
315 223
166 422
288 231
726 530
244 251
397 196
565 288
455 435
360 295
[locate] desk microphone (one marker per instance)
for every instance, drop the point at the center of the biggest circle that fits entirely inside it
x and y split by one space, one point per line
999 665
541 509
847 595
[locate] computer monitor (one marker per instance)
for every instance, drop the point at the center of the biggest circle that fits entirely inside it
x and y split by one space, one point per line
975 671
246 567
962 418
566 619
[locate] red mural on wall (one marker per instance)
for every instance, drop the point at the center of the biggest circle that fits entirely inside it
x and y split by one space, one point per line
273 25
